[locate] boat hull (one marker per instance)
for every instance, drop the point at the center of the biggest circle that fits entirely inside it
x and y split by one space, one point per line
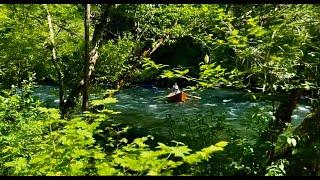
180 97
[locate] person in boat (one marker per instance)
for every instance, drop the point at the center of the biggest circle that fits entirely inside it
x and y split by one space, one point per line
184 96
175 89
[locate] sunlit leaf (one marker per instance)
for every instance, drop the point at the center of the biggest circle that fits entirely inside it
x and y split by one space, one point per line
221 144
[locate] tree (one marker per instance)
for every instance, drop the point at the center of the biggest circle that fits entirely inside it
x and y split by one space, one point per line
55 60
96 43
106 28
85 94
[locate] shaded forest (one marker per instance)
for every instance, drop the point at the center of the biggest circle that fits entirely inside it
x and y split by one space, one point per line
268 51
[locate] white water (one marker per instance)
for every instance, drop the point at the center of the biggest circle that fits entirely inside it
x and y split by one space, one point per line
147 108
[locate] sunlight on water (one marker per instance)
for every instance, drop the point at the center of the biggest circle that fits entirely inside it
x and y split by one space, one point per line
207 104
152 105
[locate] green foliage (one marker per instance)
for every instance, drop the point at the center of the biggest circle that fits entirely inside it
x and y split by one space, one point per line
211 75
114 59
100 105
285 140
149 64
175 73
269 47
35 141
168 74
113 136
178 73
150 69
277 168
25 47
139 158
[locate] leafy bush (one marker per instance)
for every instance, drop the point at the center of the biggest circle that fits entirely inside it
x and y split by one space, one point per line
35 141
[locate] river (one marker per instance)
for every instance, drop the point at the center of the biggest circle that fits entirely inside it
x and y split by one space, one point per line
218 114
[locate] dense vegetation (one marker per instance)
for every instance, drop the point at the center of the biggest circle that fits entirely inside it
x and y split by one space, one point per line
271 49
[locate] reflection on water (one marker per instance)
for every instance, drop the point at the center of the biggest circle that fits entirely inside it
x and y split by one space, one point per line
147 107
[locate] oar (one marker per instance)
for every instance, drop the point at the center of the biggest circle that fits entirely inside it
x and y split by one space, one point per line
159 97
197 97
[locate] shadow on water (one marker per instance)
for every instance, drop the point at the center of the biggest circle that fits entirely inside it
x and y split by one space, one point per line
220 114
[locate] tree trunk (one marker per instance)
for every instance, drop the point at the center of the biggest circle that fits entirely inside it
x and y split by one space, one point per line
96 44
285 109
308 132
55 60
283 116
85 94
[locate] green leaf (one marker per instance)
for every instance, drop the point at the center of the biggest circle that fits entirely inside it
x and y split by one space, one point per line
151 154
206 59
98 155
148 64
184 72
192 158
140 142
211 149
220 42
77 165
167 74
234 32
180 151
294 151
104 169
163 147
275 58
153 173
6 149
80 152
221 144
293 142
235 41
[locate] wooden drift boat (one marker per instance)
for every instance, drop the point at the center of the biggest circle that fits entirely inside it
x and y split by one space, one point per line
180 97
